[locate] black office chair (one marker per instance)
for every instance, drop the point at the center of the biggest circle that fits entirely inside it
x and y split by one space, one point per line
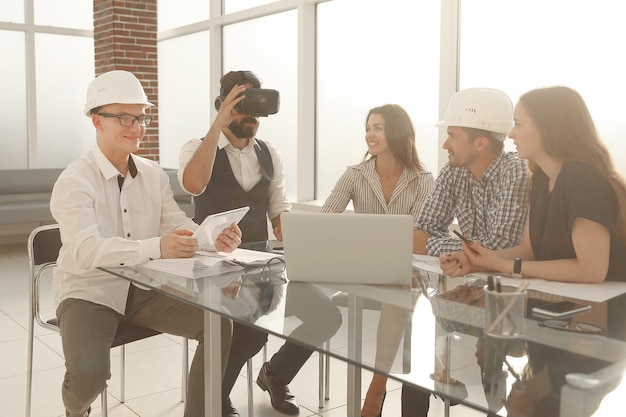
44 244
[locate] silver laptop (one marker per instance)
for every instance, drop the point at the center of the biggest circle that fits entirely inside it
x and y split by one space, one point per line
348 248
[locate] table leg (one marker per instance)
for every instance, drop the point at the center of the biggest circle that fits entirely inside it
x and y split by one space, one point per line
355 338
212 364
448 363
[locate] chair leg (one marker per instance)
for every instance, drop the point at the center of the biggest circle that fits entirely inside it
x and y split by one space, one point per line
29 366
327 377
250 392
321 381
122 372
183 389
324 375
327 373
103 402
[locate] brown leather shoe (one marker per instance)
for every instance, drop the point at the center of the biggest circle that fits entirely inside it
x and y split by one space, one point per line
282 399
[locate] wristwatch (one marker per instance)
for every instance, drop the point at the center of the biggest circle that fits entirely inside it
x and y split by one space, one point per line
517 268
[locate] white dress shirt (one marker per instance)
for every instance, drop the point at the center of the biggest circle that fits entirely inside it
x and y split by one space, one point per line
102 225
246 169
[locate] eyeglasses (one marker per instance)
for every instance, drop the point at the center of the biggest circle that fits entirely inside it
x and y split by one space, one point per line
569 326
274 265
128 120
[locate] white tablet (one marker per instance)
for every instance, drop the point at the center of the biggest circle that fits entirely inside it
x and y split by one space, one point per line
213 225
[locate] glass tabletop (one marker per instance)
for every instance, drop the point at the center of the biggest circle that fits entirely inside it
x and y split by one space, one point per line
430 336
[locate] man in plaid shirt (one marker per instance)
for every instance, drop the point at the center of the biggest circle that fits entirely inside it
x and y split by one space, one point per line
481 186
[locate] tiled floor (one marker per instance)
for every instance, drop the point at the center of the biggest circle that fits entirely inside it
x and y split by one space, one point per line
153 368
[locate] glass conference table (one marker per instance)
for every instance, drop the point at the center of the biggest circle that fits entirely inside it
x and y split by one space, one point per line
429 337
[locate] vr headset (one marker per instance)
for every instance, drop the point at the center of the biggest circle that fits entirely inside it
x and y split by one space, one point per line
259 102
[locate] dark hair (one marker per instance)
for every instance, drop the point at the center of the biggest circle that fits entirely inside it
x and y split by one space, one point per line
228 81
569 134
400 135
473 133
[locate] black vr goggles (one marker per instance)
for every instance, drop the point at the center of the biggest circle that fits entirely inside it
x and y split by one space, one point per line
259 102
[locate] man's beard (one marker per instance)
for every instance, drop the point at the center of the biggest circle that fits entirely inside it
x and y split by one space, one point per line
243 131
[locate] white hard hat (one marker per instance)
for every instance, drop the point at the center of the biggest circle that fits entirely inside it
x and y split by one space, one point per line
480 108
115 87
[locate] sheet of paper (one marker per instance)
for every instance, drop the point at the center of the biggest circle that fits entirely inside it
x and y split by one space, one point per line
204 263
589 292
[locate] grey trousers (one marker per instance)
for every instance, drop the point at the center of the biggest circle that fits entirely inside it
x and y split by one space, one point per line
88 329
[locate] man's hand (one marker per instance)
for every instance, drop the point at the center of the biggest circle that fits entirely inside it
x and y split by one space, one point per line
178 244
229 239
225 113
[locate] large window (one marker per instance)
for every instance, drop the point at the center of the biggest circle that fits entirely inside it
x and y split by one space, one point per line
268 47
545 43
331 60
12 11
388 55
174 13
13 112
47 63
75 14
65 132
184 99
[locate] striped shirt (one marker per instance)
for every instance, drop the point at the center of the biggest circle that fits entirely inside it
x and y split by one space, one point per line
361 185
491 211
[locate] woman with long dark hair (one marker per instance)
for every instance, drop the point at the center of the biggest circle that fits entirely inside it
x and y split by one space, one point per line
390 180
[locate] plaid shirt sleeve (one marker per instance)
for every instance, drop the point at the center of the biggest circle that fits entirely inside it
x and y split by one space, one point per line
507 207
438 213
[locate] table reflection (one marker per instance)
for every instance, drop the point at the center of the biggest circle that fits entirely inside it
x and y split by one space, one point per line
522 377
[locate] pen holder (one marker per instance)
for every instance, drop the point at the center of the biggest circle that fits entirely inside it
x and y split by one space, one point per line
504 313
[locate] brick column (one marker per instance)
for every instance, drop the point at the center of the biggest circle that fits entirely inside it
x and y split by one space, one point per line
125 38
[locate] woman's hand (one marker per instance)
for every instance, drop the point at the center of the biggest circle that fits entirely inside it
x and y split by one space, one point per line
480 258
454 264
474 258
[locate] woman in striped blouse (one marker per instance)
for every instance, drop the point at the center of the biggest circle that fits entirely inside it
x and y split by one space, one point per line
391 179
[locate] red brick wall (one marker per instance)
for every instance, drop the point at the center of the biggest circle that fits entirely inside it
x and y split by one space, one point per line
125 38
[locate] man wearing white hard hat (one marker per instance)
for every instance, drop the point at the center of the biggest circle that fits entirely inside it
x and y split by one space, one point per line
481 186
116 208
484 188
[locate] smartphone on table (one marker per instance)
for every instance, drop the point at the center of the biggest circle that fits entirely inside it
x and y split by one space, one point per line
560 310
463 238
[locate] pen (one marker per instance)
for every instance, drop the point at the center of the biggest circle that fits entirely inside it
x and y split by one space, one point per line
490 286
498 285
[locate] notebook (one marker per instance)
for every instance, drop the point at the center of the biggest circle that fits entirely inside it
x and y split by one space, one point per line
348 248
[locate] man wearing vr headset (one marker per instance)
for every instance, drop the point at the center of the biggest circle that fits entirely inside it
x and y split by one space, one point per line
230 168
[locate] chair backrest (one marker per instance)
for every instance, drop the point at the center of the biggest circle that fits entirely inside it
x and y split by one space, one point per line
44 244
